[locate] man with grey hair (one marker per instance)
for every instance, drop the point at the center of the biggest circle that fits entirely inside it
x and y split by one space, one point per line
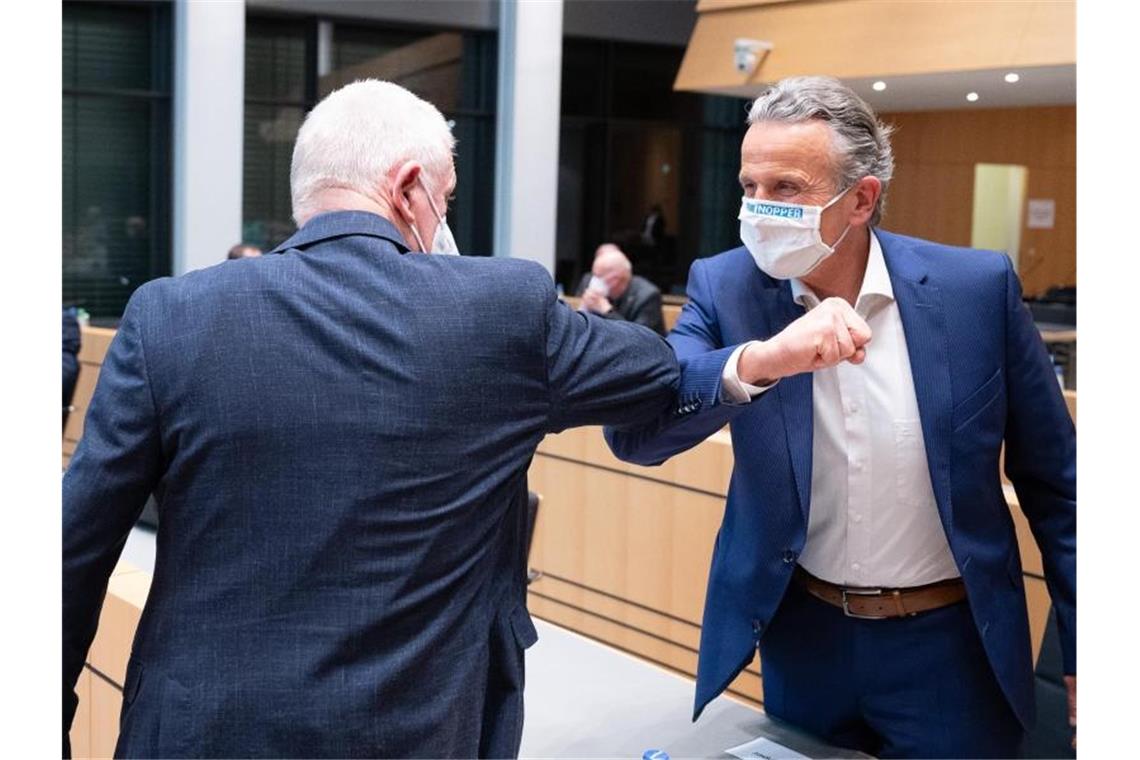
611 290
867 548
337 435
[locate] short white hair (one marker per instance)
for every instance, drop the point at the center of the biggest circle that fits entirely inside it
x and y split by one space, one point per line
611 251
358 133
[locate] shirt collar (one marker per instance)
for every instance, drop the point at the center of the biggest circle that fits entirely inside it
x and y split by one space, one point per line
876 282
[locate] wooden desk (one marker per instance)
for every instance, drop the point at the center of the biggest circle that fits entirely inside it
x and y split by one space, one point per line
94 342
1059 336
625 550
669 312
96 726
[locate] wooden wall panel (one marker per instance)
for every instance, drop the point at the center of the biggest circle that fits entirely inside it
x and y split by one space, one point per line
706 467
625 550
874 38
81 725
1037 600
639 540
93 345
932 193
126 595
106 703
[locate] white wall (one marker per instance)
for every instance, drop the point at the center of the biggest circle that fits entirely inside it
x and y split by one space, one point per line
661 21
527 124
209 80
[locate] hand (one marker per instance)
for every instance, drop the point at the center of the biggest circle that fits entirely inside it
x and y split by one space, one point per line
1071 687
828 334
596 302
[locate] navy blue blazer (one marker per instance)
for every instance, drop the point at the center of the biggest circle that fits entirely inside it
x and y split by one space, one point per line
338 437
982 376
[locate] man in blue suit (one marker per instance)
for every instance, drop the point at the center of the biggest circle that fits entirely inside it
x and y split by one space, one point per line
867 548
337 435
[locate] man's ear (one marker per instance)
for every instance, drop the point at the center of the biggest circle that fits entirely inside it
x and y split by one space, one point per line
866 192
402 181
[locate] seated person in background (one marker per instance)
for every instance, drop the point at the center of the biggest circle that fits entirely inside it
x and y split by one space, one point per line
243 251
612 290
70 358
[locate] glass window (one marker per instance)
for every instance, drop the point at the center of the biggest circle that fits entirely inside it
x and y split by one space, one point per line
116 152
642 166
279 91
456 71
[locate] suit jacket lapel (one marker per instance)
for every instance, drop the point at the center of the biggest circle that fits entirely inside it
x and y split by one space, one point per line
924 322
795 395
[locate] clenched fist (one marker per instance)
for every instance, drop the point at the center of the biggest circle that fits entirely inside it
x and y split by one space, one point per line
827 335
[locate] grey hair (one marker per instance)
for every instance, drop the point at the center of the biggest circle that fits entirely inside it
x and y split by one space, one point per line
355 135
616 253
862 142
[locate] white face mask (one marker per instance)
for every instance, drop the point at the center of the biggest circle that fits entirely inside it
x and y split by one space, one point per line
442 242
784 238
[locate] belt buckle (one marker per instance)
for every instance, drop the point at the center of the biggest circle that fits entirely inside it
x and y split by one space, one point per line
860 592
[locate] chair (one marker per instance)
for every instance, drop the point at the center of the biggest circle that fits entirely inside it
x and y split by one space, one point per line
532 502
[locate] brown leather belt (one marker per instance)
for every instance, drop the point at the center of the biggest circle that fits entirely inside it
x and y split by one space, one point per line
883 603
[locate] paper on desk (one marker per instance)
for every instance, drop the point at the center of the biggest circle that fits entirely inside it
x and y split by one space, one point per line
765 749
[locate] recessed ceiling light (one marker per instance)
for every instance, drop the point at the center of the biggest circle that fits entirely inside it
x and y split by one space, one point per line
971 96
1012 77
879 86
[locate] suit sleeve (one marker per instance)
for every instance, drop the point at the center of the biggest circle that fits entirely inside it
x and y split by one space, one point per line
115 468
1041 461
602 371
699 412
649 313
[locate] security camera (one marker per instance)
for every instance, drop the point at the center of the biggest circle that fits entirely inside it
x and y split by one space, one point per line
747 54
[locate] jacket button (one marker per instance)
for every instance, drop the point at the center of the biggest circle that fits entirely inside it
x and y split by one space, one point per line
757 627
789 557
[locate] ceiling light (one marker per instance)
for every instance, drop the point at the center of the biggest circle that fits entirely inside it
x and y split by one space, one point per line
971 96
1012 77
879 86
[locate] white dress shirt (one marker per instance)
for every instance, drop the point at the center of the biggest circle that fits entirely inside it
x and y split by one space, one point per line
873 520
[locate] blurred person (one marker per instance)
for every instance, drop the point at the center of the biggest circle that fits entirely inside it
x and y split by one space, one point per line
867 548
613 291
243 251
653 228
337 436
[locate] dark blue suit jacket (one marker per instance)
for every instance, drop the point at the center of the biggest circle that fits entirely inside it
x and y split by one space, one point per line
337 436
981 375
